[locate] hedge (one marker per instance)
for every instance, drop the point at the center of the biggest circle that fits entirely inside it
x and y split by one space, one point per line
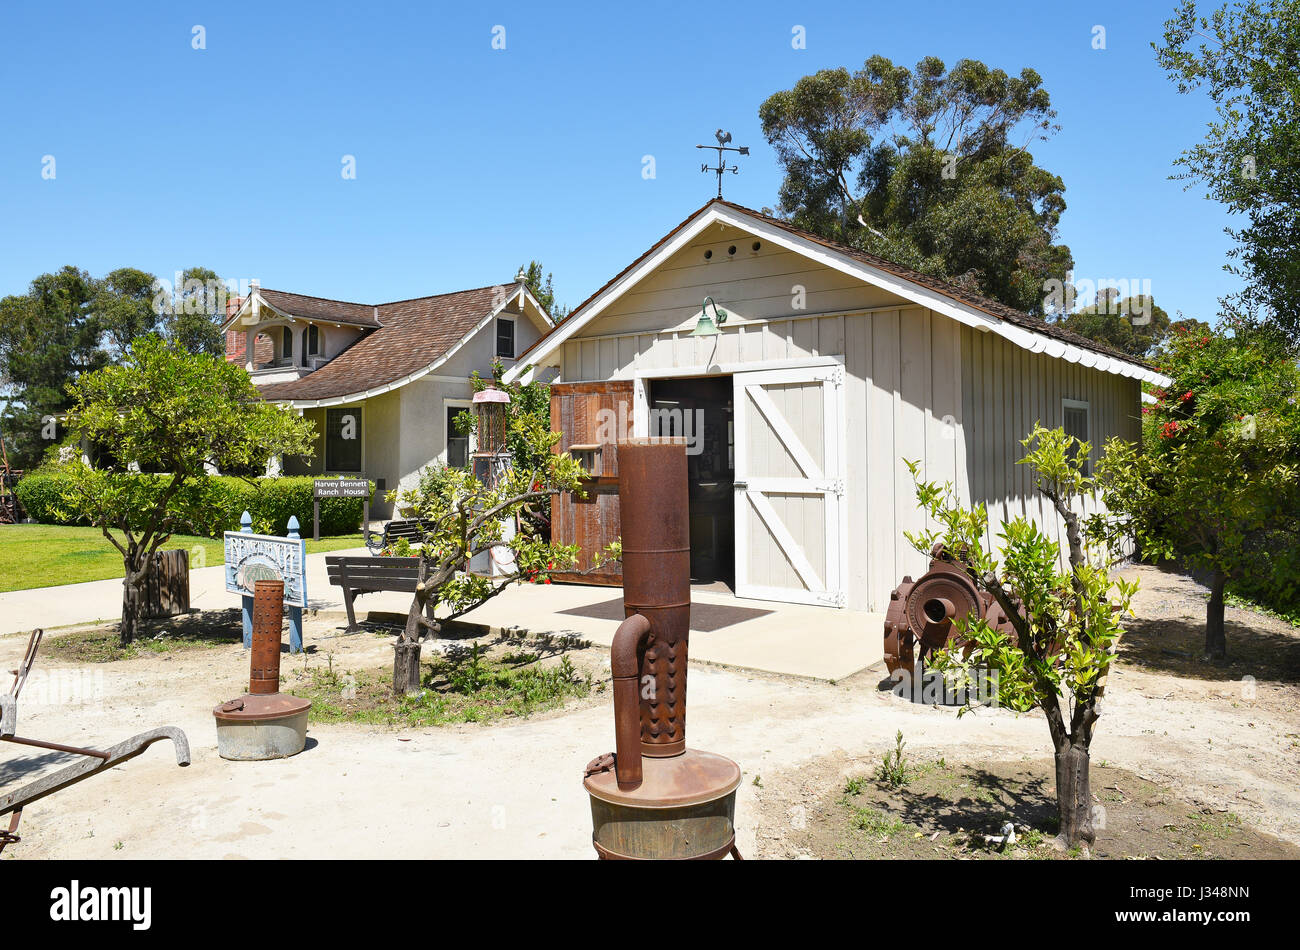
270 501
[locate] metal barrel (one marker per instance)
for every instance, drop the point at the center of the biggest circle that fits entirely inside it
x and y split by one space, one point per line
268 620
655 528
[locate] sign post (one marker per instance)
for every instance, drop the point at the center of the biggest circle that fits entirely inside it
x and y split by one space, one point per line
252 557
340 488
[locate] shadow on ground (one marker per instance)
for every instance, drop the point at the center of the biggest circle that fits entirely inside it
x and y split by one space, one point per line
1269 652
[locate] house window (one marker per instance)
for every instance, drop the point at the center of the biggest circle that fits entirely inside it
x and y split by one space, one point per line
343 440
313 340
1075 421
457 442
505 338
286 344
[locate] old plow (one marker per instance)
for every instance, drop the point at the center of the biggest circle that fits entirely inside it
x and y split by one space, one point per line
94 760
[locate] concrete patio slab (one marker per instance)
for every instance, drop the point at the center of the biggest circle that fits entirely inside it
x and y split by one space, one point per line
791 639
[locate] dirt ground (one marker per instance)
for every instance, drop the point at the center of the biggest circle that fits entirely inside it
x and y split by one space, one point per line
1204 748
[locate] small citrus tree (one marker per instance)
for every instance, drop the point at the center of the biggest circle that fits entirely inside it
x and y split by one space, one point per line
1067 621
462 517
164 416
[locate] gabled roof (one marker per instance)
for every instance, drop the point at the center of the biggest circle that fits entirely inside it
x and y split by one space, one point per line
321 308
405 340
962 305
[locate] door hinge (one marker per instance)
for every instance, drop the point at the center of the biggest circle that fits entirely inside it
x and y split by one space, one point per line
835 485
833 598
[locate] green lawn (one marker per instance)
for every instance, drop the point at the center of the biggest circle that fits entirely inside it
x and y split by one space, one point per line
41 555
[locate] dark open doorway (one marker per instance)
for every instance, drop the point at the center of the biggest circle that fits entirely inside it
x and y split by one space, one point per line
700 409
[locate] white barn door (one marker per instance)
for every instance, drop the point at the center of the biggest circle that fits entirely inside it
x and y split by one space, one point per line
789 441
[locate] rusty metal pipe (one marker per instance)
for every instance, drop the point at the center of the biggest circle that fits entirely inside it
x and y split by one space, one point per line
655 528
625 663
654 798
268 625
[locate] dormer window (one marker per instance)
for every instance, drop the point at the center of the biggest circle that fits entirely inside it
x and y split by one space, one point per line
505 338
286 344
313 340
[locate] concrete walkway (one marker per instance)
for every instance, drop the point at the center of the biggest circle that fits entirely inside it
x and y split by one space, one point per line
791 639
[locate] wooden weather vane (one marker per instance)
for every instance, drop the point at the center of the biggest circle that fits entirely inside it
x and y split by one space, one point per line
722 146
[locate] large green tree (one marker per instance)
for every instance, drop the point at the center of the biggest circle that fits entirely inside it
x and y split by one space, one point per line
929 168
48 337
197 310
1246 57
69 323
1216 483
177 414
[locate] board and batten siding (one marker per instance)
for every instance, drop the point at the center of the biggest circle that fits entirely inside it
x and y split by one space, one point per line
1005 390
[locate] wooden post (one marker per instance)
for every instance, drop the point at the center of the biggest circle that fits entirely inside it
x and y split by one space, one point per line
315 517
295 613
246 527
365 514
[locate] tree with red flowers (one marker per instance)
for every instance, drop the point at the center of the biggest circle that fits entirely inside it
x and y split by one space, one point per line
1216 483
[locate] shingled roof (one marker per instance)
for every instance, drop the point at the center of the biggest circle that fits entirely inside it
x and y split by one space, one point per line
953 292
321 308
410 336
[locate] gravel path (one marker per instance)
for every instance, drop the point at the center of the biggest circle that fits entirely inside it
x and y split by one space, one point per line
514 789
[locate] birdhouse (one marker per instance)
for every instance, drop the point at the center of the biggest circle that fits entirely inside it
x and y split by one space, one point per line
490 419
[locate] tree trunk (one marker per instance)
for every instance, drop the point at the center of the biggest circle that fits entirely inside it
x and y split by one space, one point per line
1074 796
406 667
132 604
1216 641
406 651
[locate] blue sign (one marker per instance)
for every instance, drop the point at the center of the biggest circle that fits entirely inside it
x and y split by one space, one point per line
258 557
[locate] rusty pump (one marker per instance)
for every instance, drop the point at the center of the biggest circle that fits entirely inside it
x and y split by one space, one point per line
264 723
653 797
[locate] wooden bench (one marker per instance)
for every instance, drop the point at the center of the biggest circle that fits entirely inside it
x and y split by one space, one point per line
412 529
365 575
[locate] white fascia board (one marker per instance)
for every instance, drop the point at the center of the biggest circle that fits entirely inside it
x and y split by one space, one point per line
397 383
548 320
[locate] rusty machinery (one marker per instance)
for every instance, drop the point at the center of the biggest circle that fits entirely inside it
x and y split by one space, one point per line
653 797
95 761
263 723
921 614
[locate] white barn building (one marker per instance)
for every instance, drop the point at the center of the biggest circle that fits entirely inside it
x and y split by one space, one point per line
831 368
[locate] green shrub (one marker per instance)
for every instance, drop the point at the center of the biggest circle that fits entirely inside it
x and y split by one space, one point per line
40 494
270 502
1273 576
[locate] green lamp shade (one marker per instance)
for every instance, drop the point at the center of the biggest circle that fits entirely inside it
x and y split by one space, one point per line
705 327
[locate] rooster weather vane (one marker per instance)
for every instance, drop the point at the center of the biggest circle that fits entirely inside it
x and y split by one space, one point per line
722 146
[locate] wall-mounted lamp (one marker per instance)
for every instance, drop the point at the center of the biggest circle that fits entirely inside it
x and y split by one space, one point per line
706 326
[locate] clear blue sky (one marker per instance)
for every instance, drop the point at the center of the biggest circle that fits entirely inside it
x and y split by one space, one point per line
472 160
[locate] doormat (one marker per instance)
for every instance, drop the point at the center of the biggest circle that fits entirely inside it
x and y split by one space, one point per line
705 618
